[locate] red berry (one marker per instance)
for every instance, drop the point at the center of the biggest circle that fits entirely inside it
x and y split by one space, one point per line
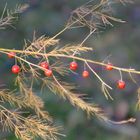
73 66
121 84
48 72
11 54
15 69
44 65
85 74
109 66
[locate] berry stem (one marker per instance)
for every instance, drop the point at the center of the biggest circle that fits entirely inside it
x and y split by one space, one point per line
120 74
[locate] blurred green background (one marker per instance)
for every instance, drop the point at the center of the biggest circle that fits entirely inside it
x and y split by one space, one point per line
121 43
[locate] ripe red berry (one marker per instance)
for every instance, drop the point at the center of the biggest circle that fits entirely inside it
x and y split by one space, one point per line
109 66
44 65
85 74
48 72
73 66
11 54
15 69
121 84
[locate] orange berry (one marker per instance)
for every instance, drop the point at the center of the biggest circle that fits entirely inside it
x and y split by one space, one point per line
73 66
48 72
44 65
11 54
15 69
121 84
85 74
109 66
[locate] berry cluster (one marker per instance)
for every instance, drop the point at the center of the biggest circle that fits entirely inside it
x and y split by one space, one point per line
16 68
73 66
48 71
120 84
